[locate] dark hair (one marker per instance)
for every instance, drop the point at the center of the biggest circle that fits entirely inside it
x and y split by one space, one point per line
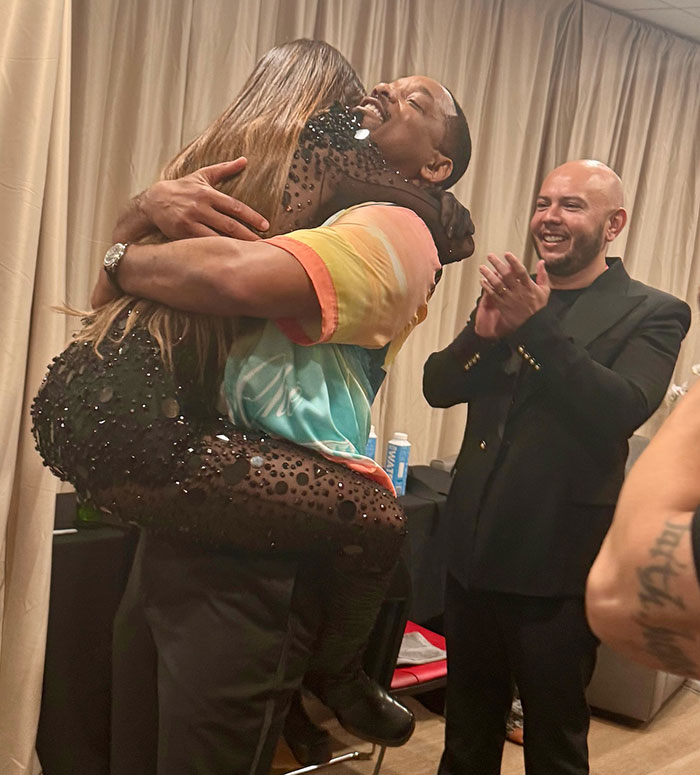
456 144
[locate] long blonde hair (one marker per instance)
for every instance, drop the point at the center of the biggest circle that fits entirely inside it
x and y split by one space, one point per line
289 83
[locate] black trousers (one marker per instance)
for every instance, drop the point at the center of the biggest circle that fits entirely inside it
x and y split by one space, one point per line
208 648
543 645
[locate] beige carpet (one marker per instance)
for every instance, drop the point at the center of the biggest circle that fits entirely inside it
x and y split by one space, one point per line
668 745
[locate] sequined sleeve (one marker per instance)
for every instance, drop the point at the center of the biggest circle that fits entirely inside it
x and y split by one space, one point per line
373 270
336 167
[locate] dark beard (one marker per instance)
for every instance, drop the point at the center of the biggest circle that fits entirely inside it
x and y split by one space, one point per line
582 253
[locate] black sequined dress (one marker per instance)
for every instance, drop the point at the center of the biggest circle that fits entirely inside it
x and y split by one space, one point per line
145 444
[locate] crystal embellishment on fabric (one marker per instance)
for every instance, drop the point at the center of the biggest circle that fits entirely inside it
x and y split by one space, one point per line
346 510
162 456
106 394
170 408
235 472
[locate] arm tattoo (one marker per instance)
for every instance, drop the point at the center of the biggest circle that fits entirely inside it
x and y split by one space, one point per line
655 591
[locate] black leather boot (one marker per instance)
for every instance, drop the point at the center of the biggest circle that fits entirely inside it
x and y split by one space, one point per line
309 743
364 708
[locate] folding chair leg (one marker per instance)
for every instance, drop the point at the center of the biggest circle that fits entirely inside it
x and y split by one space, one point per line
359 755
380 759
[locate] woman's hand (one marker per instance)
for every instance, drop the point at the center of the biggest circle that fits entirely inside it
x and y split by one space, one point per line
457 223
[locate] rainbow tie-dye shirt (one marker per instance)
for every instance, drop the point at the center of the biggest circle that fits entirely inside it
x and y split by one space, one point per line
313 380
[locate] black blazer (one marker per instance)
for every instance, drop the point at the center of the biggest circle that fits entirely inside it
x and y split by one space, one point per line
550 411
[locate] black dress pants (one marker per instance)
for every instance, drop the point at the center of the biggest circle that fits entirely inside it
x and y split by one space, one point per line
208 648
545 646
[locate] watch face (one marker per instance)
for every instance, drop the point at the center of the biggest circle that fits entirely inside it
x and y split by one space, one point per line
113 255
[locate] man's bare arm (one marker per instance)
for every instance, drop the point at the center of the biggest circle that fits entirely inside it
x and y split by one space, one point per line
190 206
215 276
643 596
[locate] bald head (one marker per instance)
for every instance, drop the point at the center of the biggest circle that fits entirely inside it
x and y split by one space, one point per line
579 211
594 177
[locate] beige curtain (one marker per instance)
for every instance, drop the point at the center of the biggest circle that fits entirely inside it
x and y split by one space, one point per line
96 96
35 110
543 82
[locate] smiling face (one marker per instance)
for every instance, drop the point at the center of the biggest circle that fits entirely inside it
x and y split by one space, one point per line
407 120
578 211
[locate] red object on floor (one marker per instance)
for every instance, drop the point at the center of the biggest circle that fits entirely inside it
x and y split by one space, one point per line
415 677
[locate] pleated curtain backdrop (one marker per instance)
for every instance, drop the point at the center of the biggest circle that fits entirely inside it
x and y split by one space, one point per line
96 96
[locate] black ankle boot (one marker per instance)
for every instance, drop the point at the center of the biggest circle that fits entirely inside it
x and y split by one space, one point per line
308 743
364 708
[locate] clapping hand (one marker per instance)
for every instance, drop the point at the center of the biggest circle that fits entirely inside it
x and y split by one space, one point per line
510 296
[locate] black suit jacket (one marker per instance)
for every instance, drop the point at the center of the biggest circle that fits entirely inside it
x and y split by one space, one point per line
550 412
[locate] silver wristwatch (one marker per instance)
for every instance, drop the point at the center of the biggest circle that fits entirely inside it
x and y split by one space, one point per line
111 262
